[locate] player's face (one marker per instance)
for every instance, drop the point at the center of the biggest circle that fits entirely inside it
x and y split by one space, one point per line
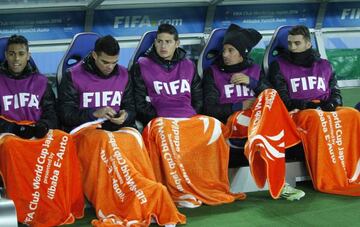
165 45
298 44
17 57
231 55
104 62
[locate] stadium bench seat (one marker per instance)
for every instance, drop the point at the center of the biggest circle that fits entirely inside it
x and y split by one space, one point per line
80 47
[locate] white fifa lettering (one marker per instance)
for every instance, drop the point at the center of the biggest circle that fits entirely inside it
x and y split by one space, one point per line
132 21
101 99
106 97
352 13
87 98
7 101
185 86
24 98
34 101
16 102
240 90
295 84
312 82
303 82
97 99
246 90
321 84
174 86
135 20
145 21
158 87
20 100
118 21
229 89
116 101
308 83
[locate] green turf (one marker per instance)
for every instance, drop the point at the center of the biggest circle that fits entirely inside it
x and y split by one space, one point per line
351 96
259 209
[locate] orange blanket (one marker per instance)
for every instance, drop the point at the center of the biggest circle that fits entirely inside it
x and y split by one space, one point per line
190 156
42 177
270 131
119 181
332 147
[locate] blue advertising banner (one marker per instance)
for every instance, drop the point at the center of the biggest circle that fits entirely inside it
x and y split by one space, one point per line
135 22
266 16
43 26
344 14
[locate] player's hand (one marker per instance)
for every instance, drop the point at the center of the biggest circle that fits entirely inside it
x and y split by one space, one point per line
120 118
248 103
105 112
240 78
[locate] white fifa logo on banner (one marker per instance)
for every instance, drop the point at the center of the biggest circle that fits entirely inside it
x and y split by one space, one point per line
139 21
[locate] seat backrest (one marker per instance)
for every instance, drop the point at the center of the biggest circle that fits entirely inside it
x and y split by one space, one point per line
80 47
211 50
357 106
144 44
3 42
278 40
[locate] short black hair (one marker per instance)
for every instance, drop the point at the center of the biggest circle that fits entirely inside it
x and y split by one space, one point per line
168 28
301 30
108 45
17 39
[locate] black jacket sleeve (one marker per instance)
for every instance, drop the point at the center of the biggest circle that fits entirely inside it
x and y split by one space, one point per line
262 84
48 108
278 82
69 107
212 107
335 94
128 104
5 126
197 94
145 111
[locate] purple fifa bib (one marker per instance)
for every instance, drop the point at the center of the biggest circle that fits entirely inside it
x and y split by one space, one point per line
307 83
169 91
20 99
231 93
97 92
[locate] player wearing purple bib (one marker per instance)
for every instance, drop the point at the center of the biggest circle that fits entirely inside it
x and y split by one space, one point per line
166 83
25 93
300 76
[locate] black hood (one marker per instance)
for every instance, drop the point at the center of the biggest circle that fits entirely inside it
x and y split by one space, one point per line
28 70
305 59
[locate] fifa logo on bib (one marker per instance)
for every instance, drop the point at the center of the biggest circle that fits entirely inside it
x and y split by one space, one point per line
101 99
172 88
307 83
20 100
237 91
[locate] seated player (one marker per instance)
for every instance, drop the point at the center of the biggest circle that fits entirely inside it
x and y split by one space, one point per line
117 174
38 163
328 131
168 93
